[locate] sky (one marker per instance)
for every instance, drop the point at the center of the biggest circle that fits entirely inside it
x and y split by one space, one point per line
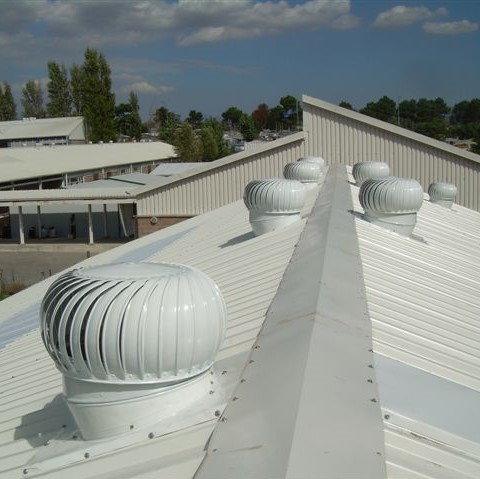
208 55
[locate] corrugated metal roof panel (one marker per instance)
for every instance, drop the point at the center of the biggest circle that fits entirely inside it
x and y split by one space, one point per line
39 127
248 271
424 304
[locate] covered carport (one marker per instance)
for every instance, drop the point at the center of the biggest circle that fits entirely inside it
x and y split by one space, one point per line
65 202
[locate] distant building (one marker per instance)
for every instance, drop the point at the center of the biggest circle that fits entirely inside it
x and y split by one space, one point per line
44 131
463 144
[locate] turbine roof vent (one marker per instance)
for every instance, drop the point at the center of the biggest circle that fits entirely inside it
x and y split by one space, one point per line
442 193
132 341
313 159
304 171
369 169
392 202
273 203
133 323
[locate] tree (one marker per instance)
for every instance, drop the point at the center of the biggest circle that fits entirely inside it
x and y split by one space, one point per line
232 116
209 144
59 93
32 99
127 118
187 145
223 148
97 98
8 109
76 77
384 109
346 104
195 118
167 123
248 128
260 115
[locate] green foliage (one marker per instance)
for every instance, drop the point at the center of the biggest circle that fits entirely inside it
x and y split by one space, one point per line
32 99
127 118
76 78
383 109
248 128
59 93
8 109
167 123
97 98
209 144
187 145
223 149
195 118
346 104
231 117
465 122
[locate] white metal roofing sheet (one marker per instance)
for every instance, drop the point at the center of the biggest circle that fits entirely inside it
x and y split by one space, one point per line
34 162
38 127
169 169
246 268
423 301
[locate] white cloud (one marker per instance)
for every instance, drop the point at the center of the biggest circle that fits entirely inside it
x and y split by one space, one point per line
450 28
402 16
145 87
190 21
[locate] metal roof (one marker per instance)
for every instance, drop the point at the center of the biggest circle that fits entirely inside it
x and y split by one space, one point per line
424 305
169 169
35 162
39 127
332 322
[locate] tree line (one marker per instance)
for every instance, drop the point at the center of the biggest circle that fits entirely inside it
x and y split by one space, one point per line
430 117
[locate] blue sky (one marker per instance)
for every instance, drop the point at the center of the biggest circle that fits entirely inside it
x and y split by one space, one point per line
210 55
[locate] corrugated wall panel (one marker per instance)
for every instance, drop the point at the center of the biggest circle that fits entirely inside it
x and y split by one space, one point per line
215 188
341 139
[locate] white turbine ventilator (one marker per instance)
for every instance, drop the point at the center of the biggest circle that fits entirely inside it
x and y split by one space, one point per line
273 203
442 194
132 341
306 172
313 159
369 169
392 202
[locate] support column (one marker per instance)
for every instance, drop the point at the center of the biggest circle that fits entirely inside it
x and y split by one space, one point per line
39 222
105 227
90 225
20 225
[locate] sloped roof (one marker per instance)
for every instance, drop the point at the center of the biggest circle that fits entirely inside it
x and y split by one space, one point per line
332 324
39 127
44 161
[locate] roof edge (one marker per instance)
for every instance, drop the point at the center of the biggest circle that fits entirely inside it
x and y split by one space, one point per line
411 135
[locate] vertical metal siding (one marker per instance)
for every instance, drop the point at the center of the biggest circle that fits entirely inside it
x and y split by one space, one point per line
340 139
215 188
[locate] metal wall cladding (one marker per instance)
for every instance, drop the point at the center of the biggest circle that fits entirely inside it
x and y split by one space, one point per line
133 322
220 185
274 196
340 138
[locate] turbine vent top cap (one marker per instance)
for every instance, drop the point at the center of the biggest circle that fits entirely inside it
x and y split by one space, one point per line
303 171
133 323
442 193
369 169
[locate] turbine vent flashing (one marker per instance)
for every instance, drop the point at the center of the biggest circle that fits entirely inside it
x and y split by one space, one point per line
307 172
369 169
392 202
442 194
126 334
273 203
